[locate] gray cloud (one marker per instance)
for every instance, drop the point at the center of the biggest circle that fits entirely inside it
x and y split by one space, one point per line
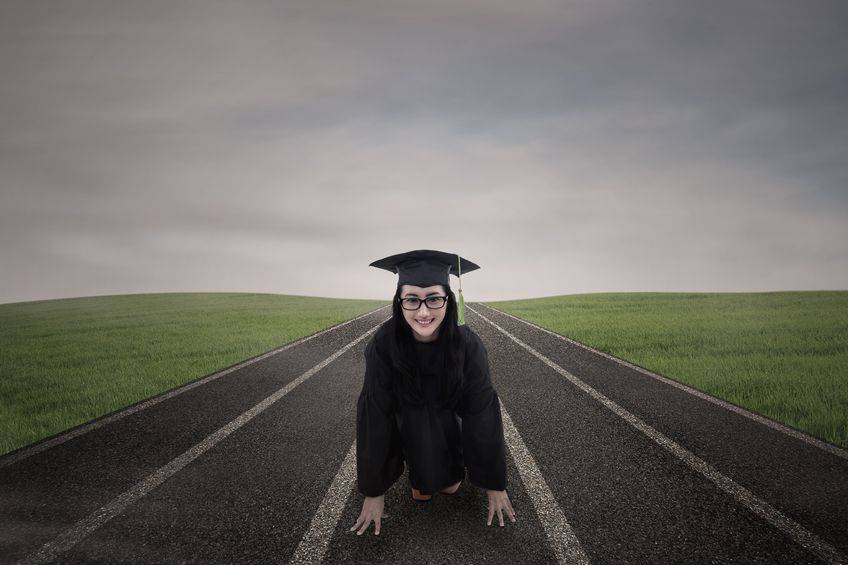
281 147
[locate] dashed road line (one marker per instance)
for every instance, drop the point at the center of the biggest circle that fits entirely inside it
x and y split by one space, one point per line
115 416
797 434
70 537
803 537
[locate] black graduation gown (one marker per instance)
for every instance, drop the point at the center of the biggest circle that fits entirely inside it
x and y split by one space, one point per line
436 442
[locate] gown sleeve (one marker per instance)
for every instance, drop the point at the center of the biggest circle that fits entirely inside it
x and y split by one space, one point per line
482 428
379 452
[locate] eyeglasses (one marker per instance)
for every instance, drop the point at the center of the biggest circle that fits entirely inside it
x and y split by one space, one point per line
413 303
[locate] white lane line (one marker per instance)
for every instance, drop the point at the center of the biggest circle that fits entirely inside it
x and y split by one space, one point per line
561 537
99 423
313 545
70 537
566 547
797 434
805 538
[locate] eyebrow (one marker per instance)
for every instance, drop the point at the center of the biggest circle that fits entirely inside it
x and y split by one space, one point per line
408 294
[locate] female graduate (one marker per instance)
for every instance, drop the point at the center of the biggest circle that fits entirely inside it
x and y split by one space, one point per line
427 399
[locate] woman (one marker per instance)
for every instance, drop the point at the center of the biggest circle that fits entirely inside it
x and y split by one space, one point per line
427 399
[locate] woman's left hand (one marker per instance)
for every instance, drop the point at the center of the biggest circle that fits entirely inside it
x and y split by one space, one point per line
499 502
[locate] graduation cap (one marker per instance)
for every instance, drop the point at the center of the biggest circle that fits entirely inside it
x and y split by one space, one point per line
426 267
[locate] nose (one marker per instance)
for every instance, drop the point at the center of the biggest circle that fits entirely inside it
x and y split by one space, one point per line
423 308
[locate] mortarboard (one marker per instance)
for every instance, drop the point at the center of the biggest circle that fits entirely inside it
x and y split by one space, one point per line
426 267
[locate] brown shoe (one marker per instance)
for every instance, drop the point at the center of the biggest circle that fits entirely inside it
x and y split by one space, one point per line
416 495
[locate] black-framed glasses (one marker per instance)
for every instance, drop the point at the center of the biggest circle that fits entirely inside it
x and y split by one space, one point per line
414 303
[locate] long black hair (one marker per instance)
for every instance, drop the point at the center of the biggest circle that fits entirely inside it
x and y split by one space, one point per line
407 381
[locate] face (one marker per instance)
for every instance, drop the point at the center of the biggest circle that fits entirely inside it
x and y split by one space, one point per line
424 322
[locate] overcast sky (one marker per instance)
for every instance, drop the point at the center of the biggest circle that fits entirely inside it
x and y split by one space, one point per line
565 147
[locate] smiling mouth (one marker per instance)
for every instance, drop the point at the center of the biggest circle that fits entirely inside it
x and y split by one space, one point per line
425 324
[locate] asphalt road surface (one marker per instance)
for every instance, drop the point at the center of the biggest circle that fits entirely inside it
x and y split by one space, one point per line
609 464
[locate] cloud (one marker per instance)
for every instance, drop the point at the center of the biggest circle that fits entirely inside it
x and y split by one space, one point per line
281 147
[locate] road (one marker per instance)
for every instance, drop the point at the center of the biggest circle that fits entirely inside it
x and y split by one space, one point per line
609 464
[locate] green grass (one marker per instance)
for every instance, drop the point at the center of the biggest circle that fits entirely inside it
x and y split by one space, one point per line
783 355
64 362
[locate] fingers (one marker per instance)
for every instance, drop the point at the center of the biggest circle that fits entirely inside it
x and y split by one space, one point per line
507 506
510 511
364 522
500 507
372 510
364 527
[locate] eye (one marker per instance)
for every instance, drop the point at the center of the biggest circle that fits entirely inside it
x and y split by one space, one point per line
435 301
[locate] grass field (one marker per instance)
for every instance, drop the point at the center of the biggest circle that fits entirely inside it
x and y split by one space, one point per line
64 362
783 355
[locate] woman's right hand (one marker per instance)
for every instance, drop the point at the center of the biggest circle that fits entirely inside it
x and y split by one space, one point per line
372 509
